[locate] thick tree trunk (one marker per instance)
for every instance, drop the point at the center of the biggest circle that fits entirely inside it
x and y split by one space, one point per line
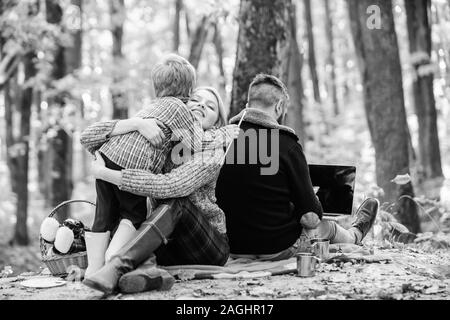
381 74
311 50
295 83
176 25
198 41
419 32
119 97
263 45
331 65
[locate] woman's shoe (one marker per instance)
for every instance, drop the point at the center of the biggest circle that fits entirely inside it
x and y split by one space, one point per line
145 278
96 244
150 235
124 233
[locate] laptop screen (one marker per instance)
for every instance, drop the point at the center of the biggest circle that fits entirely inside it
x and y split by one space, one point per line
334 186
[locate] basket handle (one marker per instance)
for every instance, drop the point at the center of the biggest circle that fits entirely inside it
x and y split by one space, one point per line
66 203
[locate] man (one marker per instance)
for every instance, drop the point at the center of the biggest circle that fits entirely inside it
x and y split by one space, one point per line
266 213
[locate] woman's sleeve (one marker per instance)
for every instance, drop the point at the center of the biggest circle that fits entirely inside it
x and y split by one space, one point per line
180 182
94 136
217 138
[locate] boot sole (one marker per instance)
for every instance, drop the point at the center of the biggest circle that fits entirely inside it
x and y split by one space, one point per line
97 286
142 283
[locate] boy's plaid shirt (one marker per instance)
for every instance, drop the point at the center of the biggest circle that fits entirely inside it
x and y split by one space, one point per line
134 151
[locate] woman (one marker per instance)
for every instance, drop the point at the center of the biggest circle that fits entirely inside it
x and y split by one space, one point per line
194 222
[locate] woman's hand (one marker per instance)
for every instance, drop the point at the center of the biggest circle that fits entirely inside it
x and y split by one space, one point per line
234 130
98 165
151 130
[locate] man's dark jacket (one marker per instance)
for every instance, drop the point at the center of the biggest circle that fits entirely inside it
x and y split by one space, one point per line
263 211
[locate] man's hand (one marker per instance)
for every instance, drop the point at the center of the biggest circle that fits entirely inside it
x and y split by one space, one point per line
97 165
310 220
150 129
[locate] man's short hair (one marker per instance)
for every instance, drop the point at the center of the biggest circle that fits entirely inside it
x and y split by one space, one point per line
267 90
173 76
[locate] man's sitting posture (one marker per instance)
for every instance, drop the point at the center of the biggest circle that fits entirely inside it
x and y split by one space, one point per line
266 214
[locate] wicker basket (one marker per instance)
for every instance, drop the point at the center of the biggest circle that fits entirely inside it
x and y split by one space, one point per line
59 265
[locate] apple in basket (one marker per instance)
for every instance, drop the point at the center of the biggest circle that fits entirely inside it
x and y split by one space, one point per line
49 228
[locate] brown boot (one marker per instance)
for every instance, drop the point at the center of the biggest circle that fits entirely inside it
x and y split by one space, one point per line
145 278
149 237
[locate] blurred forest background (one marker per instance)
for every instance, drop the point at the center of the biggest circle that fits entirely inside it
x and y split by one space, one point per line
369 82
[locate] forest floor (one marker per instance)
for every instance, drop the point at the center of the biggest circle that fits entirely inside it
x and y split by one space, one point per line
414 272
420 270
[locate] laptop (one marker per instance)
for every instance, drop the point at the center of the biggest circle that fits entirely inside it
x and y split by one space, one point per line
334 185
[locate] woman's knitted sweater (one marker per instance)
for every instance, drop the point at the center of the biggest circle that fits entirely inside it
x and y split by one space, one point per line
195 179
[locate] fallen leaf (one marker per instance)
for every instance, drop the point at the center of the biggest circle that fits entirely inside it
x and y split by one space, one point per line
401 179
261 291
432 290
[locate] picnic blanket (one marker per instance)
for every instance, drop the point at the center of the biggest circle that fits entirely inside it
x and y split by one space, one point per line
254 268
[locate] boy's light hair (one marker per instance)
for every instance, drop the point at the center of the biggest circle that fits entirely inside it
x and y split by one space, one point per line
173 76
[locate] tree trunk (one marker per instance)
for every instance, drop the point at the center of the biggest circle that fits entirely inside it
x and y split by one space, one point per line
311 50
60 144
18 101
218 44
73 60
419 32
198 41
10 60
295 83
12 100
119 97
187 21
72 53
21 232
331 65
381 74
263 45
176 25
